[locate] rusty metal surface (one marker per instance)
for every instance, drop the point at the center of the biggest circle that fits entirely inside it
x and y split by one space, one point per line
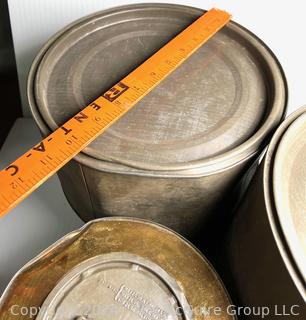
194 281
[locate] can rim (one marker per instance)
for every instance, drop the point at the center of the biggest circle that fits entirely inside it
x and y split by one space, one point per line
274 221
195 168
73 235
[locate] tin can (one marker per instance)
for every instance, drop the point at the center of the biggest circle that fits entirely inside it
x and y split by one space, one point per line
266 249
117 268
174 157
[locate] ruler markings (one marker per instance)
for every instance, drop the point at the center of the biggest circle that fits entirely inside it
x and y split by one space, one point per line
53 152
21 185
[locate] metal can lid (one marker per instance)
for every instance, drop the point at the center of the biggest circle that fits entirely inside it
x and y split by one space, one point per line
119 268
289 189
212 104
116 286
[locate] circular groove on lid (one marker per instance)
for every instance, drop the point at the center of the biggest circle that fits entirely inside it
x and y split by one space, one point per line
116 286
195 114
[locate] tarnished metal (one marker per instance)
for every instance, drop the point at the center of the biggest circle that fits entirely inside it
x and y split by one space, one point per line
174 157
266 248
117 268
117 283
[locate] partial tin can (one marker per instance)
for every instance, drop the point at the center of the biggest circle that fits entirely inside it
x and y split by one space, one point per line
267 243
176 155
117 268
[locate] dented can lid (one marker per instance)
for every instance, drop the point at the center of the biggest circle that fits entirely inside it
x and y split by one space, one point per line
285 166
119 268
214 110
116 286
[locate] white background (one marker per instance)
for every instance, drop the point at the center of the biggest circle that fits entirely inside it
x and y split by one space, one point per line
281 24
45 215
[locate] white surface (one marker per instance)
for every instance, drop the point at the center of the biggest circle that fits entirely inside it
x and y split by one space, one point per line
37 222
281 24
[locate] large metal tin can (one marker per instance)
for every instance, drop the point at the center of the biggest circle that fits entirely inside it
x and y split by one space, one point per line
266 249
117 268
176 155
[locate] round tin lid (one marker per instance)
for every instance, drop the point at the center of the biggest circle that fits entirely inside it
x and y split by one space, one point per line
116 286
289 189
119 268
211 104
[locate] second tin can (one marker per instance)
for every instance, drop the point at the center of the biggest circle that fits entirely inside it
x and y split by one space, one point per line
266 248
183 148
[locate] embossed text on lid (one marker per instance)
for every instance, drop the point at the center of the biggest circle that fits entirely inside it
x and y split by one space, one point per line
116 286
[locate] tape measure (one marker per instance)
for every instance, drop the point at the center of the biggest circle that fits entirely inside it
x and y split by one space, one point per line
28 172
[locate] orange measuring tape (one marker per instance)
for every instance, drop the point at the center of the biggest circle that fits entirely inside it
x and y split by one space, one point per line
28 172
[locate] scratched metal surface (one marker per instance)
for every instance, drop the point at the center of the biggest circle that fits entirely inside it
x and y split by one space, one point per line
177 155
211 104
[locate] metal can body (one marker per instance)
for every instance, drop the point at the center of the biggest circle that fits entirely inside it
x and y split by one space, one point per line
186 145
263 268
182 203
125 268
